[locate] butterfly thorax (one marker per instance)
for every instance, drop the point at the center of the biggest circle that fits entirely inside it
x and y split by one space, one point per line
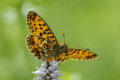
61 49
56 52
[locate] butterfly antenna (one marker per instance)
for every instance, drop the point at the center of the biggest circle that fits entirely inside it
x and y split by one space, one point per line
64 38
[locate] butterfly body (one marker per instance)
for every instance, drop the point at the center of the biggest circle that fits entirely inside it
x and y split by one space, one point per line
44 45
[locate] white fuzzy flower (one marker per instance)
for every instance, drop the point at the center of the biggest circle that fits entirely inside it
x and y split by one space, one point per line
48 71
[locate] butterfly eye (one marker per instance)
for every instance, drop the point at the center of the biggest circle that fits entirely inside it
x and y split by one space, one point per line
61 46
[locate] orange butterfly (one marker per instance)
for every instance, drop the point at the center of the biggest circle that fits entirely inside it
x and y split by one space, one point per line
44 45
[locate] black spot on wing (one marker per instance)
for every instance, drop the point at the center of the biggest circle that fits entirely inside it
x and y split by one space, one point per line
41 34
44 24
49 33
44 32
40 24
51 36
35 28
47 30
41 28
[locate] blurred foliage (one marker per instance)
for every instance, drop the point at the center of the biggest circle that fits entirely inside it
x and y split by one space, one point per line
93 24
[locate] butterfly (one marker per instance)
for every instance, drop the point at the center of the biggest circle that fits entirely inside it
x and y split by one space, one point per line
44 45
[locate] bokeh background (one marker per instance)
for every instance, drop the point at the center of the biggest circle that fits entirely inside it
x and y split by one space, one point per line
92 24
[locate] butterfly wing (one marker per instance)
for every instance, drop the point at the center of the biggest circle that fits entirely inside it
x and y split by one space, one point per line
39 47
80 54
39 27
42 41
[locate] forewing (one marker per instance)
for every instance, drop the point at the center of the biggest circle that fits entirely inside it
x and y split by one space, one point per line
39 27
40 47
80 54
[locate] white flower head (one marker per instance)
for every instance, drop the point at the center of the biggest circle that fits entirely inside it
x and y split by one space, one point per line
48 71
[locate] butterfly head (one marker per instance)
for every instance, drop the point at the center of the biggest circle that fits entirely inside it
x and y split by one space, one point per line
62 48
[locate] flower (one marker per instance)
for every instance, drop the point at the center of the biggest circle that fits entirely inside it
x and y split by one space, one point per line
48 71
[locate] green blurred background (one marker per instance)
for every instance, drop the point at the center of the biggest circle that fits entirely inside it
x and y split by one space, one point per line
93 24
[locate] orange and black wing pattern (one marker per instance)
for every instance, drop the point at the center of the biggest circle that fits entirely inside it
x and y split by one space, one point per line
42 41
80 54
39 27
